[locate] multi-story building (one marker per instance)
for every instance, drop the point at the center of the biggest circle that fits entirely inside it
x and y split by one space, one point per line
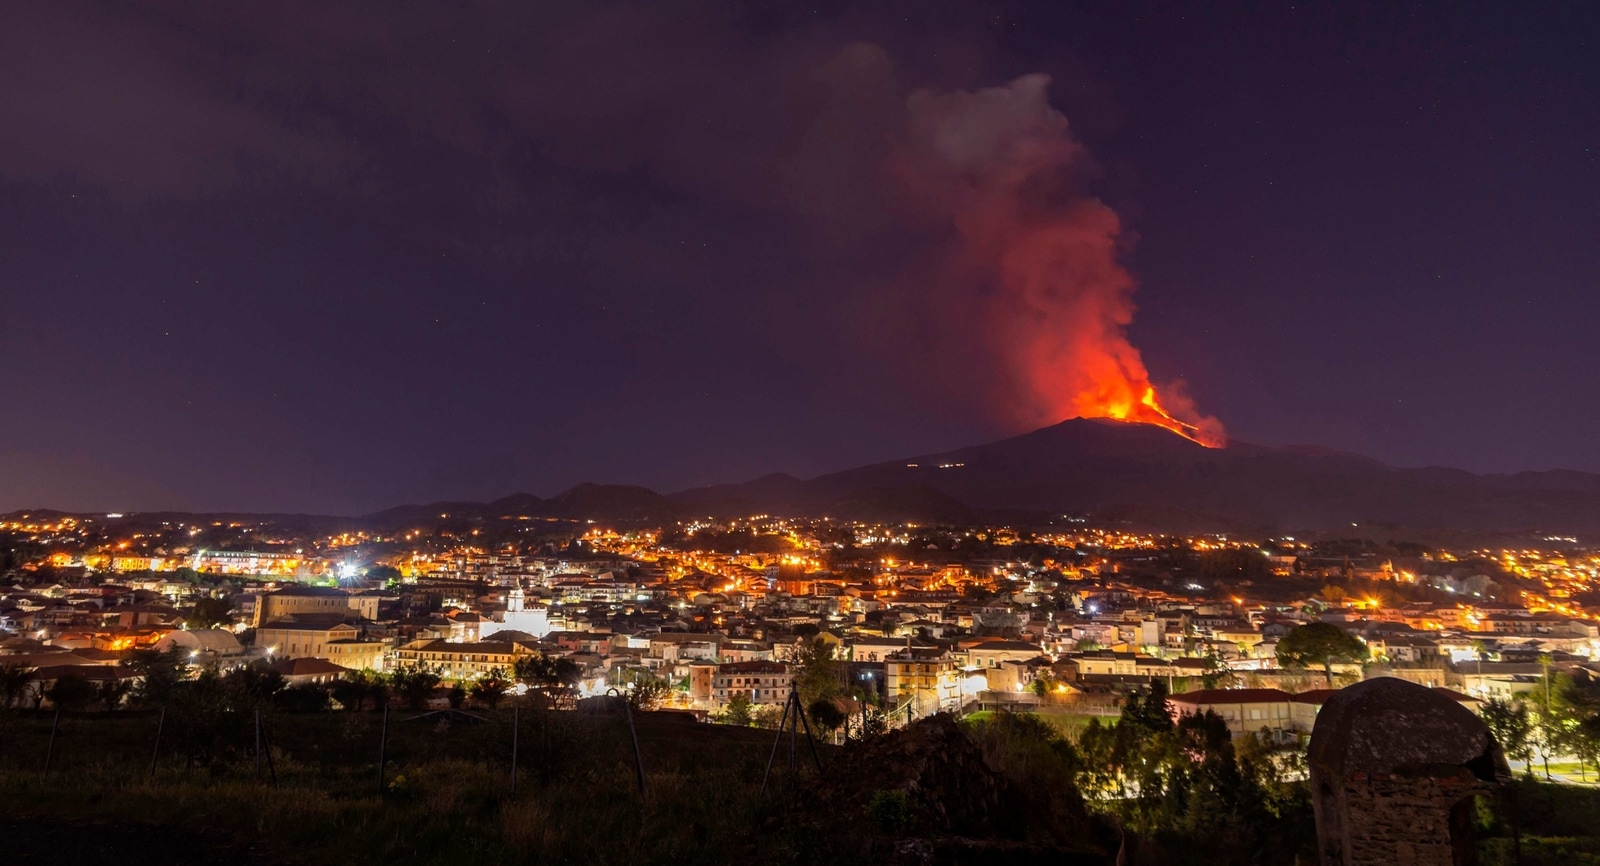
990 653
297 600
254 562
320 636
761 682
1281 714
462 660
924 680
1246 711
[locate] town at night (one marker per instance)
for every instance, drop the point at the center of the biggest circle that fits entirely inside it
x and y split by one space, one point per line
733 433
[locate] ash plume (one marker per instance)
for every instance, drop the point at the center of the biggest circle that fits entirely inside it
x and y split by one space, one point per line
1002 171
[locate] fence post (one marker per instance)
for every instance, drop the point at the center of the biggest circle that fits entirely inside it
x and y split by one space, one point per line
156 751
383 748
810 740
516 726
258 745
633 734
50 751
266 748
782 721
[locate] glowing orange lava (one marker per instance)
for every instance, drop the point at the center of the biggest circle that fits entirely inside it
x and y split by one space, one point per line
1056 301
1148 410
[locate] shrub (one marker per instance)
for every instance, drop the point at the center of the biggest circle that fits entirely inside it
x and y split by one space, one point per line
890 810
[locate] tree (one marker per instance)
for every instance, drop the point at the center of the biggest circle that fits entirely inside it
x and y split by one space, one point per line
110 693
555 677
1216 673
70 691
1512 728
457 696
308 698
1148 711
1576 706
159 673
210 612
1033 754
1319 644
1577 694
386 574
1546 661
1234 564
647 693
353 690
490 688
816 671
256 684
826 715
873 722
1481 650
738 710
767 716
414 684
14 679
1160 776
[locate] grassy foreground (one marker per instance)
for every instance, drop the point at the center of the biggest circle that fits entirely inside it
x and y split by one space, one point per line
446 796
447 793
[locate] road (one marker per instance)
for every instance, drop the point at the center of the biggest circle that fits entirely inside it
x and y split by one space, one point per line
1565 773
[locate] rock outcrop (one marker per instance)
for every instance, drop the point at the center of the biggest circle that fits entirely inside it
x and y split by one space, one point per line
1394 770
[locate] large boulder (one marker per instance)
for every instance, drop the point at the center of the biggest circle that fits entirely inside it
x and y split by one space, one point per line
1394 768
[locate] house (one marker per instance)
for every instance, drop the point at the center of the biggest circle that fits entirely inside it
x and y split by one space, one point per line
1246 711
203 646
303 672
1017 676
1281 714
762 682
43 678
991 653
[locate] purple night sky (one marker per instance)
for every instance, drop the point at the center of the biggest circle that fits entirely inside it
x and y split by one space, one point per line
335 257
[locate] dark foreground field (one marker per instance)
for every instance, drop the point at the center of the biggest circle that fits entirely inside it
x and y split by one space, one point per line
313 797
49 840
446 793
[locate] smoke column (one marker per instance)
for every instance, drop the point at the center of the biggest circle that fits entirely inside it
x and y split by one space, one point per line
1000 166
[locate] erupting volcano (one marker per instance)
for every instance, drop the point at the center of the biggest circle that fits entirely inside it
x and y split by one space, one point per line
1032 263
1148 411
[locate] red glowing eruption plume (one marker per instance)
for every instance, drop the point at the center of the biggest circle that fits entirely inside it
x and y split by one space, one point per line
1002 167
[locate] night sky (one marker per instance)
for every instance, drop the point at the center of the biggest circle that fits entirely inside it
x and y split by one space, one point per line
336 257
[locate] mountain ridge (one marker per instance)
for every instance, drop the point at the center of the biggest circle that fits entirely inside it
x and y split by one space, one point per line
1107 469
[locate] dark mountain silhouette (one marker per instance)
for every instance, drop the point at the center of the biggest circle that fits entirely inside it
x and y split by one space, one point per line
1104 470
1149 475
517 505
912 502
617 502
402 516
614 502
